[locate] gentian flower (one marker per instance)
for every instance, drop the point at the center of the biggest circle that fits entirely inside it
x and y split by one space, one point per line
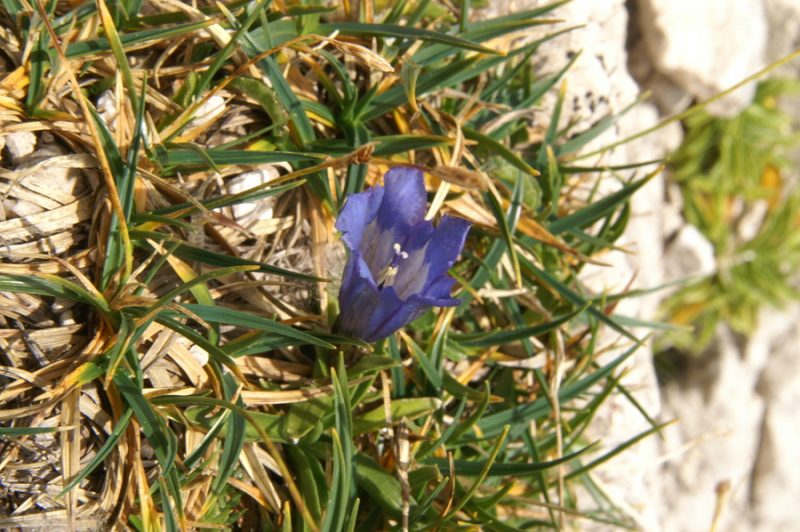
398 261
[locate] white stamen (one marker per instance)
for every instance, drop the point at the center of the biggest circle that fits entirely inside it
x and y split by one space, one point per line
387 275
398 250
386 278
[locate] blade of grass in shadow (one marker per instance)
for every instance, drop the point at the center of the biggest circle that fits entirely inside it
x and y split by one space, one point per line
158 434
186 157
13 432
485 471
617 450
189 253
404 32
234 436
102 45
590 214
519 416
487 468
506 337
215 314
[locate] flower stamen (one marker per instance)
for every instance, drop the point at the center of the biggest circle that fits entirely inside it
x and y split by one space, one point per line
387 275
398 251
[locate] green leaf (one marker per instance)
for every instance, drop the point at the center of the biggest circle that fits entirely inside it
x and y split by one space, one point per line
520 416
411 408
215 314
109 445
235 434
425 364
159 436
100 46
505 337
593 212
498 149
403 32
478 467
24 431
189 253
186 157
381 487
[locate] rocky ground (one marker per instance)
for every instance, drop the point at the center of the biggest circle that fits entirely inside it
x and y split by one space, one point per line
730 462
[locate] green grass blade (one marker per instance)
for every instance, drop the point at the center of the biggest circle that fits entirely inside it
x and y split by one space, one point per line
479 468
190 253
102 45
403 32
515 335
159 436
590 214
229 316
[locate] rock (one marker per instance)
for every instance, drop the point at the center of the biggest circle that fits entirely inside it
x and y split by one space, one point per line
783 17
251 211
669 97
689 255
706 47
207 112
672 213
107 108
715 440
20 144
775 485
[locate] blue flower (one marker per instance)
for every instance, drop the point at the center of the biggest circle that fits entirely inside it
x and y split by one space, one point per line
398 261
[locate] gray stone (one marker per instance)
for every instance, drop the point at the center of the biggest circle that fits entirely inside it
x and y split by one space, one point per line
20 144
250 212
775 484
706 47
689 255
714 442
783 17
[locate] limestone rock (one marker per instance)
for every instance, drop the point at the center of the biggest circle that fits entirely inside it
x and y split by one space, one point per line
672 214
20 144
706 47
208 111
689 255
250 212
775 485
715 440
107 108
783 17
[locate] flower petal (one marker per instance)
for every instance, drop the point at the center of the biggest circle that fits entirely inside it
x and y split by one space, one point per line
405 200
391 314
359 210
377 248
357 294
438 290
446 244
420 272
